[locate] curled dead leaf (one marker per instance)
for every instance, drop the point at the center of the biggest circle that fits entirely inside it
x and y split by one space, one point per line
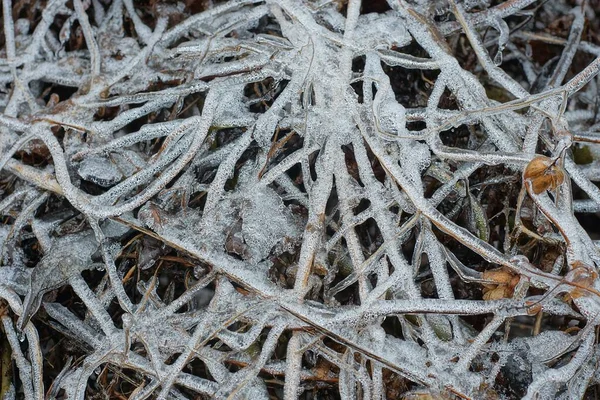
497 293
543 173
502 284
500 276
583 277
533 308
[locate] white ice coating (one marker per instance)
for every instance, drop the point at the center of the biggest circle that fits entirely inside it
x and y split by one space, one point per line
264 153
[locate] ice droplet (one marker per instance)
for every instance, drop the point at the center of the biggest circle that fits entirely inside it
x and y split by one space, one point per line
498 57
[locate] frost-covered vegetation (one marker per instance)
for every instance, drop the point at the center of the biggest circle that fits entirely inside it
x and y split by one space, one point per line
299 199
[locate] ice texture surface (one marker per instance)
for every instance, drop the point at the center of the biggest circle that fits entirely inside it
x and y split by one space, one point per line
254 199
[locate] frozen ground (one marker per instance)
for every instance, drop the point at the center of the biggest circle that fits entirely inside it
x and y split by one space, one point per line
299 199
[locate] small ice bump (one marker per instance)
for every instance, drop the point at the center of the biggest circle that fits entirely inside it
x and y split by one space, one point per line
381 31
100 171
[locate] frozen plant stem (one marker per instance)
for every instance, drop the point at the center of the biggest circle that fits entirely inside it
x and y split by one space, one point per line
280 188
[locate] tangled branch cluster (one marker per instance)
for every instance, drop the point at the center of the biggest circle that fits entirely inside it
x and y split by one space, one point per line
284 198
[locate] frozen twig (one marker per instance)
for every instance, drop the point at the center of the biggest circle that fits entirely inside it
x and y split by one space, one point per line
279 187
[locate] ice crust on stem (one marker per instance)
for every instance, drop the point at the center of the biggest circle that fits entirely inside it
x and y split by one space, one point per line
301 190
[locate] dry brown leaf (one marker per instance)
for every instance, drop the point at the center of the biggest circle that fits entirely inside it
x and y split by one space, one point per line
503 286
582 276
543 174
